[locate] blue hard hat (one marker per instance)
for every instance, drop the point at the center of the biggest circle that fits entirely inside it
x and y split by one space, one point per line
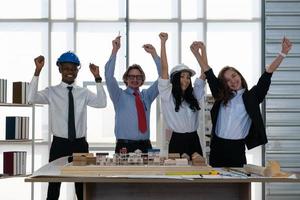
68 57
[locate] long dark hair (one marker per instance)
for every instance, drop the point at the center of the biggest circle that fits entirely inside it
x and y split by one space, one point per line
225 94
179 96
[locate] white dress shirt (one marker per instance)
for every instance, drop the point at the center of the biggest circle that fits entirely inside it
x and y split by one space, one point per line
185 120
233 121
57 98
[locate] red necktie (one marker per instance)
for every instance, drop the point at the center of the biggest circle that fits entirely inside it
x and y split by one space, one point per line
140 112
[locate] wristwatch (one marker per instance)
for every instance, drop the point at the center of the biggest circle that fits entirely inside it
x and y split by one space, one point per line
98 79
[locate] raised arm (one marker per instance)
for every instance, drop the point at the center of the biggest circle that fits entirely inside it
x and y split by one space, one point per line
39 64
98 100
199 50
111 82
164 62
149 48
152 92
96 72
110 65
33 95
116 43
286 46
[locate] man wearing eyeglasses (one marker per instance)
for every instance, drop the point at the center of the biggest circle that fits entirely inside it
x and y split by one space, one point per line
132 106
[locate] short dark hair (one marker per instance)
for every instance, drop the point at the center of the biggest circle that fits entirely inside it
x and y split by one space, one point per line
134 66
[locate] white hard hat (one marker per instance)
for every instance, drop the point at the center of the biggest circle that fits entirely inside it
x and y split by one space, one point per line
182 67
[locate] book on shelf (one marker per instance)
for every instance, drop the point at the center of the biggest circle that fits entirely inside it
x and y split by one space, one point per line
3 90
17 127
20 90
14 163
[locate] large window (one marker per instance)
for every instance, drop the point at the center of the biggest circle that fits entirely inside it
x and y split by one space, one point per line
230 29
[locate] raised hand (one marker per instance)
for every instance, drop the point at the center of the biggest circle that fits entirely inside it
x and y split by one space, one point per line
286 45
199 50
195 46
95 70
203 52
163 37
116 43
39 64
163 55
149 48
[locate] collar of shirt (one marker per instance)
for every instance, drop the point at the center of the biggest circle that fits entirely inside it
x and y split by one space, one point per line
238 92
65 85
131 91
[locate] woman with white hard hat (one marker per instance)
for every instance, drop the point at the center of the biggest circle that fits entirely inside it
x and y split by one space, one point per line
180 104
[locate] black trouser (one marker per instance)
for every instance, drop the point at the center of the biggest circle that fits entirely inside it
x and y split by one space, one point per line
188 143
227 153
61 147
132 145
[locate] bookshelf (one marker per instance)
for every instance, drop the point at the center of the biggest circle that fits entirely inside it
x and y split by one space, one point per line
17 142
208 103
20 144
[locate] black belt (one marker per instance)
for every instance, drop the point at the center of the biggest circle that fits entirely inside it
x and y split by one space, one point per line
133 141
185 132
223 140
66 139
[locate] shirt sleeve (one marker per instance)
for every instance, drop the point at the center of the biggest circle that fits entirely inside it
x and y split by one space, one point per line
98 100
199 92
152 91
35 96
261 88
112 84
165 89
213 82
158 65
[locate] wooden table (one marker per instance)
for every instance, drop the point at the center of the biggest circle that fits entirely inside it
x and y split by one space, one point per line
136 188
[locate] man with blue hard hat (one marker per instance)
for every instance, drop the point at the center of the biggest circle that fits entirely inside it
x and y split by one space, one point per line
68 57
68 111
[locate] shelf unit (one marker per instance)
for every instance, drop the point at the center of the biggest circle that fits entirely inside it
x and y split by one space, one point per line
30 141
207 123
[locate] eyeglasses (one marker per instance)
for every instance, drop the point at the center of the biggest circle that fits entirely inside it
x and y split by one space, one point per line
137 77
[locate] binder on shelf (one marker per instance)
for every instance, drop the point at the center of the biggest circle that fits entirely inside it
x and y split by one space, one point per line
10 128
3 90
20 90
25 128
17 127
8 163
23 163
14 163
